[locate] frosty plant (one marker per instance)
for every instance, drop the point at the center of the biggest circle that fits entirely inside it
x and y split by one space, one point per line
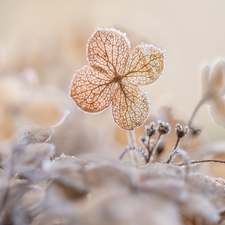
114 75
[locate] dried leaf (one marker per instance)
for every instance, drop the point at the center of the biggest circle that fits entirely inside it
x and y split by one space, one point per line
67 172
35 134
34 153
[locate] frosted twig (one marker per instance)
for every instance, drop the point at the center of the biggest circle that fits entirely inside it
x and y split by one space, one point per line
184 156
133 148
197 162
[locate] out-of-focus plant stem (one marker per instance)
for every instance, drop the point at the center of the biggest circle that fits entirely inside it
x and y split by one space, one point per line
198 106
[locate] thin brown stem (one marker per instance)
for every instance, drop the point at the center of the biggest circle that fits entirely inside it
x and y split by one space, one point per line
174 148
198 106
154 148
176 144
196 162
148 149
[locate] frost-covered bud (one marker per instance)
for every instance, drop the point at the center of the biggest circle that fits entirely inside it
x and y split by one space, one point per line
142 139
150 129
163 128
181 131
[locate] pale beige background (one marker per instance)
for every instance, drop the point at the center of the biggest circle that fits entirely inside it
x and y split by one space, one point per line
192 33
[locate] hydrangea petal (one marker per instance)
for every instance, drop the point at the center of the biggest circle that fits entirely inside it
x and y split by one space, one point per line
130 106
109 50
145 64
92 90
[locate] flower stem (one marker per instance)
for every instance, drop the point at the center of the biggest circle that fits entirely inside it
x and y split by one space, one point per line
198 106
133 148
148 149
174 148
196 162
154 149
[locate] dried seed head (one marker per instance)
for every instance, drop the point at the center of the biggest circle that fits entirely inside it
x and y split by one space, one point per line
150 129
163 128
181 131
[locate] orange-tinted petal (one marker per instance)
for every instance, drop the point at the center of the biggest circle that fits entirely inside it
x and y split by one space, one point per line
145 64
130 106
108 49
91 90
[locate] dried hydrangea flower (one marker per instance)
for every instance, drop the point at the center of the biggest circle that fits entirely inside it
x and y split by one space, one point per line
114 75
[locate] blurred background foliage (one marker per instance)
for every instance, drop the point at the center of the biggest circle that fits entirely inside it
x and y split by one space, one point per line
50 37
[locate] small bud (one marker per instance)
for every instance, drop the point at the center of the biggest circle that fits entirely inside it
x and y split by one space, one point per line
163 128
150 129
181 131
142 139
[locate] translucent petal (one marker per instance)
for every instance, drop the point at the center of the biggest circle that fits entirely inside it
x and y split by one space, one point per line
130 106
217 82
91 89
34 134
145 64
108 49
